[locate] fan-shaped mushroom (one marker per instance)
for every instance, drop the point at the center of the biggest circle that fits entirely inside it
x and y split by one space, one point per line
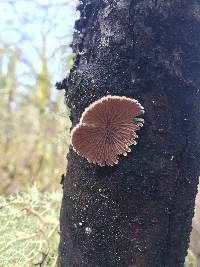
107 128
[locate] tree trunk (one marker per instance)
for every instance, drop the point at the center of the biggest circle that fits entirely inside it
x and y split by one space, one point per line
139 212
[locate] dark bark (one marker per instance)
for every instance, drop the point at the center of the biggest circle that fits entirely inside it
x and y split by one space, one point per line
137 213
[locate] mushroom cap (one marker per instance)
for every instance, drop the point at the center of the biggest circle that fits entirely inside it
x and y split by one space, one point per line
106 129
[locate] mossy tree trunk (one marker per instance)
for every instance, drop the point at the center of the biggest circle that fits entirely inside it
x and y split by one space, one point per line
137 213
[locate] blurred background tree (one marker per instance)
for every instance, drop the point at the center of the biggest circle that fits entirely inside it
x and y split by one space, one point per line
34 54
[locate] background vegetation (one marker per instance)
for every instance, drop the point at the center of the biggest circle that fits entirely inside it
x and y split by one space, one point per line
29 228
34 50
34 54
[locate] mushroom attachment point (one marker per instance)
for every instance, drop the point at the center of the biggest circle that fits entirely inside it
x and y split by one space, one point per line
106 129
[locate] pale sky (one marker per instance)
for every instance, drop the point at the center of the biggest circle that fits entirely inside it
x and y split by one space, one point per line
24 22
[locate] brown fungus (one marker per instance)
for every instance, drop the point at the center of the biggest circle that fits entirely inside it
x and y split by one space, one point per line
106 129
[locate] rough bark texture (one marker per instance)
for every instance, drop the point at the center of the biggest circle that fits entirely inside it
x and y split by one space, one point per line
137 213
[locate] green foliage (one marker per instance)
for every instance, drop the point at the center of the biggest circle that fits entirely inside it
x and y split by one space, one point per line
29 229
70 60
189 260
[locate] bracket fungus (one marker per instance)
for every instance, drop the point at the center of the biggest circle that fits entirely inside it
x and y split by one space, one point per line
106 129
